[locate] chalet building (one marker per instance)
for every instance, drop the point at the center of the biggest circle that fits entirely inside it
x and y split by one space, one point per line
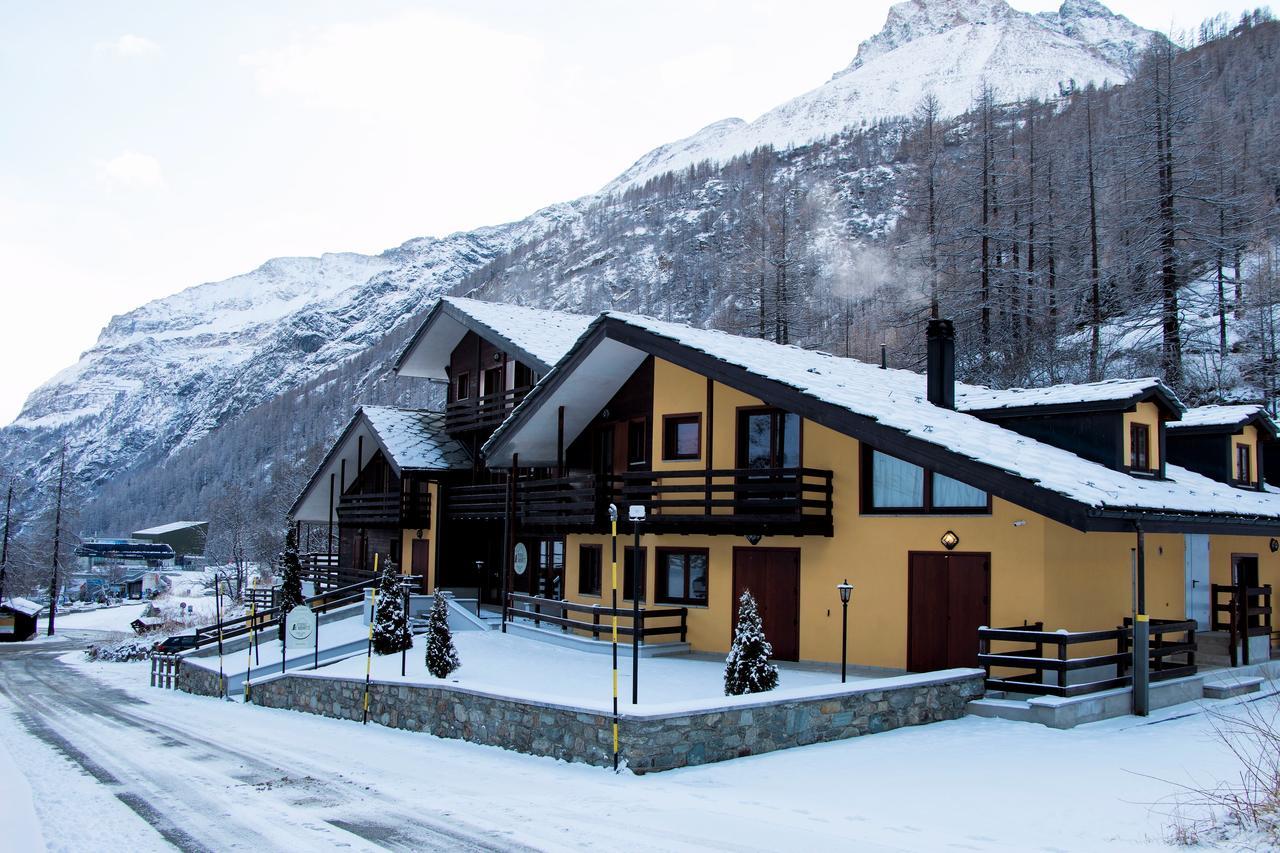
786 471
410 485
18 619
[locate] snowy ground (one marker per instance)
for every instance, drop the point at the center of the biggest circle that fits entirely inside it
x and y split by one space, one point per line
529 669
103 619
219 775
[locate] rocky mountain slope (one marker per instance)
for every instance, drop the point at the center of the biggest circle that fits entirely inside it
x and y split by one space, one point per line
162 377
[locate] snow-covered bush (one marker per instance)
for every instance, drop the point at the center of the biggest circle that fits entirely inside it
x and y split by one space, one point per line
123 648
390 621
442 656
747 668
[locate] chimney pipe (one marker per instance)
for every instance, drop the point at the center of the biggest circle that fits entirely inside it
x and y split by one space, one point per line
941 338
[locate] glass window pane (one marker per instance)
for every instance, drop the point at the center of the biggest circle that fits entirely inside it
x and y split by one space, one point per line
675 575
895 484
789 441
759 440
687 438
953 493
698 577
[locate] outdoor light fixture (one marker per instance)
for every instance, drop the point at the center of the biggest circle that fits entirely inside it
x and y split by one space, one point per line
753 538
845 589
1275 545
950 540
635 512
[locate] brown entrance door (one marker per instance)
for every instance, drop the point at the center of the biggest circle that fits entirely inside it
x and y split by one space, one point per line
420 560
773 576
949 598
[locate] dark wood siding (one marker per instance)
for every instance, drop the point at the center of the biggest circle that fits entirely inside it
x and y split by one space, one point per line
1207 454
1098 436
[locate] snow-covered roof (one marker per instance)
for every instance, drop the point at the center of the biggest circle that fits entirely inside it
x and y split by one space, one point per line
860 399
414 439
168 528
22 605
972 398
1225 417
411 440
537 336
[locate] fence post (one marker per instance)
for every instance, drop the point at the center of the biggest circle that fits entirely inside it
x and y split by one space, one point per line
595 621
153 669
1062 671
684 624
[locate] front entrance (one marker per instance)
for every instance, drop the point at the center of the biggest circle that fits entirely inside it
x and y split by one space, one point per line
420 561
1244 573
773 576
1196 561
948 599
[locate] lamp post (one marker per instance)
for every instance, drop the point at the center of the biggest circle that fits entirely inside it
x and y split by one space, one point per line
636 513
846 589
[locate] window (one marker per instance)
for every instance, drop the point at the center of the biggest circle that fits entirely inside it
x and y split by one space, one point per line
682 576
524 376
681 436
768 438
1139 447
493 381
462 387
590 569
1244 464
894 485
637 443
630 558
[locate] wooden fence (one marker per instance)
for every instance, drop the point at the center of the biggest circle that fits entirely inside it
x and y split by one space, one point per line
553 612
164 671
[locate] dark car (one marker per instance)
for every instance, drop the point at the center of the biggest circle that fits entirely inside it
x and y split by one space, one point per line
179 643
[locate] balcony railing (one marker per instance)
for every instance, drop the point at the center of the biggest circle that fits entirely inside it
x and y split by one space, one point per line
482 413
792 501
390 509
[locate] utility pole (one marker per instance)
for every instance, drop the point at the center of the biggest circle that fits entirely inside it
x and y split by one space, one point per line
4 550
57 540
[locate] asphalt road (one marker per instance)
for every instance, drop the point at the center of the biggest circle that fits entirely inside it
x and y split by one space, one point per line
179 783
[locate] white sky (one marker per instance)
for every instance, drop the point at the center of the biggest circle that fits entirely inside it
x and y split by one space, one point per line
149 146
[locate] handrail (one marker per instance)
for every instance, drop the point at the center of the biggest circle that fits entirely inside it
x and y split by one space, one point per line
230 629
595 626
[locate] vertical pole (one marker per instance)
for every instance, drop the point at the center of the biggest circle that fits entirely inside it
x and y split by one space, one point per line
253 605
404 589
844 639
57 541
1141 632
4 551
315 654
637 569
560 442
613 616
368 659
217 607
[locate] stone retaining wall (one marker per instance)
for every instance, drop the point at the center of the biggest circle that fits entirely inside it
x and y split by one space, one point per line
658 741
197 679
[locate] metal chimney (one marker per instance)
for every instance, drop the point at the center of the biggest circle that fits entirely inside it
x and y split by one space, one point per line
941 338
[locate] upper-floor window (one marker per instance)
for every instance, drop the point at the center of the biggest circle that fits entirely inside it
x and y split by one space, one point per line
462 386
493 381
638 443
1244 464
681 436
1139 447
891 484
524 376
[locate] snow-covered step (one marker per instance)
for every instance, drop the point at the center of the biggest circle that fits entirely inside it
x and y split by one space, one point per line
1228 688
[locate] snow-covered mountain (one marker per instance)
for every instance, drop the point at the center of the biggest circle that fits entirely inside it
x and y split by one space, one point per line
164 375
947 48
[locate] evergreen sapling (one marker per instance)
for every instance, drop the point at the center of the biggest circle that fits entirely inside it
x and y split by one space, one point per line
442 657
747 668
290 577
390 621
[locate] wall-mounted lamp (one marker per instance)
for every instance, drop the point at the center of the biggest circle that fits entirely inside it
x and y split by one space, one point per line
754 539
419 532
1020 523
1275 545
950 540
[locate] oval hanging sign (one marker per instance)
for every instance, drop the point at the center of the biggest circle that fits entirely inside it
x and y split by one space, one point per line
300 624
521 558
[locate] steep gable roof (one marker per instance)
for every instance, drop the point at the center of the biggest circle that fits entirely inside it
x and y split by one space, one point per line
887 408
1107 395
1226 418
536 336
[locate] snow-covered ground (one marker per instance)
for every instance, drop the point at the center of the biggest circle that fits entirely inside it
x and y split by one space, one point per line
974 784
529 669
103 619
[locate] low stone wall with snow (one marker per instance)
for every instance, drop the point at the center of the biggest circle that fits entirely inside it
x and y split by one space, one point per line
649 742
198 680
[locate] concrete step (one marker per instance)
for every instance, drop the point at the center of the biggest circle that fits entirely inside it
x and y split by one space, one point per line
1234 687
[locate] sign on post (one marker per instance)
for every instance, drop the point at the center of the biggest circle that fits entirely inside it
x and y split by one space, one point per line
521 562
299 627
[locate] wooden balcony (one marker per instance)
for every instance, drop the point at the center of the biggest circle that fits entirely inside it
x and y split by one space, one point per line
386 509
482 413
779 501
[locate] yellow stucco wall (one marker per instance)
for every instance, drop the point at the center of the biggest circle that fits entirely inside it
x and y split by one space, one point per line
1149 414
1040 570
408 535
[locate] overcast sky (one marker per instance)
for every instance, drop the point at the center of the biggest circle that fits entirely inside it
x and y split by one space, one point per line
149 146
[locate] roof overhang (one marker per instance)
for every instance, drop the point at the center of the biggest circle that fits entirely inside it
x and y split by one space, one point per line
1260 421
606 355
340 467
428 351
1158 394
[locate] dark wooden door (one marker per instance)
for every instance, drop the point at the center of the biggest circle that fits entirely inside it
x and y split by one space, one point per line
773 576
420 559
948 599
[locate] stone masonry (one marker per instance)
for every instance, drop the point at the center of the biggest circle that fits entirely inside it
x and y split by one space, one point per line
649 742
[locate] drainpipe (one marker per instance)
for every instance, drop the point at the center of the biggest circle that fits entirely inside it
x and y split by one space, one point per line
1141 632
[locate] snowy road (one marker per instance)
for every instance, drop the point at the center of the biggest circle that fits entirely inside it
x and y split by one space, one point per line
184 786
115 765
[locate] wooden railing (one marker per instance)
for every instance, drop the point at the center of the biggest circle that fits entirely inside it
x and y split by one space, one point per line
1031 664
553 612
397 509
164 670
482 413
229 629
771 500
1243 612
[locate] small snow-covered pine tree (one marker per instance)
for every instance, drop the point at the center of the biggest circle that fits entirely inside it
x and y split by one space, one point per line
442 657
290 573
390 621
747 668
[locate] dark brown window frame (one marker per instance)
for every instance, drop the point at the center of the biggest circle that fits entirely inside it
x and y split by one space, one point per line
866 496
598 550
1243 473
624 592
1137 428
669 453
462 382
739 450
661 594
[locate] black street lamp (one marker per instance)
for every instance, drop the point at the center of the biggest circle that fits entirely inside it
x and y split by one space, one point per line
846 589
636 512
